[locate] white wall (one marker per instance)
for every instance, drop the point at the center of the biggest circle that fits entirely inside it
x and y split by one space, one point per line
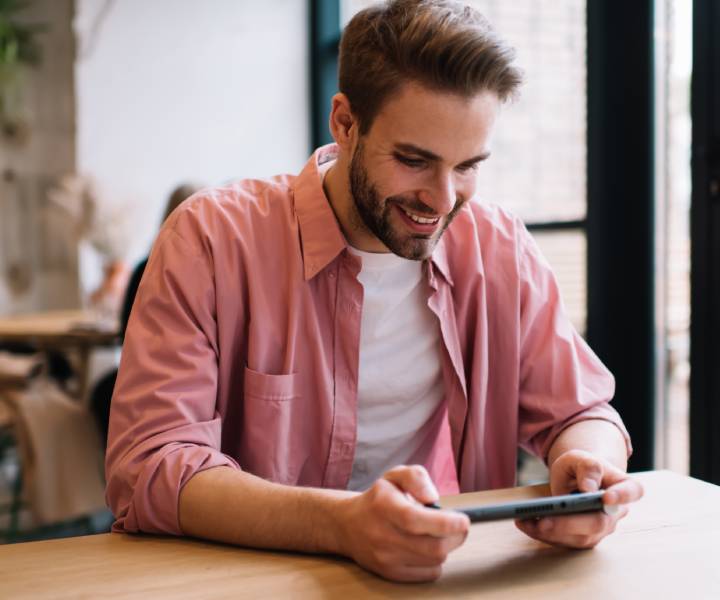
175 90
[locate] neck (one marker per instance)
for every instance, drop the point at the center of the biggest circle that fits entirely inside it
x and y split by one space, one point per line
336 186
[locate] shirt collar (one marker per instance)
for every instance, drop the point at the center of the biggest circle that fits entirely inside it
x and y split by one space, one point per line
439 259
321 237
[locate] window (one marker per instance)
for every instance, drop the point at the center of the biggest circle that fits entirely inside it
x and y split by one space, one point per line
544 133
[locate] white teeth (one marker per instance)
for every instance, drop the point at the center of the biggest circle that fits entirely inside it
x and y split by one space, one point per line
421 220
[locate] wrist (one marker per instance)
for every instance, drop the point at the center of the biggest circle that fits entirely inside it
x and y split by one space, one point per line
334 520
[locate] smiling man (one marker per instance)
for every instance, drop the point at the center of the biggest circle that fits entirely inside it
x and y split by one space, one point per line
312 358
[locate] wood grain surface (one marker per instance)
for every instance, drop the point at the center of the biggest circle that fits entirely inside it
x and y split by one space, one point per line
668 547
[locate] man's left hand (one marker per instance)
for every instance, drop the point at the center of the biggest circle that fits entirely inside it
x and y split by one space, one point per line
577 470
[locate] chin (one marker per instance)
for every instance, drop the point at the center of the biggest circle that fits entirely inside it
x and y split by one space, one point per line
414 249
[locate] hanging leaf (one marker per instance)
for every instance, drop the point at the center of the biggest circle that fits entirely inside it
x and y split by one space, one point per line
18 41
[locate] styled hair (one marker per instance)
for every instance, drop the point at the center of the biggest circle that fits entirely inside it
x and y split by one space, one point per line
181 193
440 44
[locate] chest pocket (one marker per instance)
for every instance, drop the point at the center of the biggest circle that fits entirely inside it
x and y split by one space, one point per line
271 410
261 386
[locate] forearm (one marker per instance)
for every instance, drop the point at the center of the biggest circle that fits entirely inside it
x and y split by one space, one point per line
235 507
596 436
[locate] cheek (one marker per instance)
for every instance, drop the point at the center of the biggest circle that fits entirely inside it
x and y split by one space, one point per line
467 186
401 185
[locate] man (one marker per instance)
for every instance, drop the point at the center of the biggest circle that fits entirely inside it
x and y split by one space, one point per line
295 342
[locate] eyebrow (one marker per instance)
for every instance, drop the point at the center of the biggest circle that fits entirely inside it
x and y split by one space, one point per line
428 155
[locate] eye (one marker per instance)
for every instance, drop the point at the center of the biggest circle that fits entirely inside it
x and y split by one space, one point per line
466 168
414 163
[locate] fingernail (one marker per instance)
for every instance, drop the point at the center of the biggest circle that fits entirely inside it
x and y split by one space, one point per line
430 493
590 485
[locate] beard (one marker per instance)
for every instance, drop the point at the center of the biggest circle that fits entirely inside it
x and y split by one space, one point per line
375 214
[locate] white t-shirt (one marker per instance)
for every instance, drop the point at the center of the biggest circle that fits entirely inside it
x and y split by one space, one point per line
400 383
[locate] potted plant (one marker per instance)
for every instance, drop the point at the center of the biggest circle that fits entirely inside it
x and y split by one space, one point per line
19 49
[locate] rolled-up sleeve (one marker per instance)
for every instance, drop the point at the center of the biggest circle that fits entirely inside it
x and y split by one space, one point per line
164 424
562 381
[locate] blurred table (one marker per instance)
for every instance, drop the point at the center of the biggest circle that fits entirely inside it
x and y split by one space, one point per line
78 331
59 328
666 548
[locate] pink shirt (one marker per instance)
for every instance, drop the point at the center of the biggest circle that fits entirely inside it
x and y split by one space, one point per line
242 350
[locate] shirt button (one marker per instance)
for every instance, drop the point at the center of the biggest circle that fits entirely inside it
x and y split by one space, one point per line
331 274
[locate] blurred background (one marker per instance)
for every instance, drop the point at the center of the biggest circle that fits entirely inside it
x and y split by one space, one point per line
107 106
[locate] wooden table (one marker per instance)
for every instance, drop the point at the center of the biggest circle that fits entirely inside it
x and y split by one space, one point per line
667 548
76 330
57 328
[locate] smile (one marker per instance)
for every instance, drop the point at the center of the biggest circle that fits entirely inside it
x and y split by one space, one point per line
418 219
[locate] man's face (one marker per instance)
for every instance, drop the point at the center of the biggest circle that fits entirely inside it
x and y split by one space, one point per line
417 166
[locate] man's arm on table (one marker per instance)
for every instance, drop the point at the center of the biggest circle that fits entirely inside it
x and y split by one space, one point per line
586 456
382 529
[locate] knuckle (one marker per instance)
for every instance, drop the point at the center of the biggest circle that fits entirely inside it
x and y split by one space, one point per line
406 518
380 492
418 472
395 470
434 573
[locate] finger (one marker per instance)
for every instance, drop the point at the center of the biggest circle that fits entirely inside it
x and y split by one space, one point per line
428 546
412 518
588 474
626 491
579 531
416 481
575 525
530 529
576 470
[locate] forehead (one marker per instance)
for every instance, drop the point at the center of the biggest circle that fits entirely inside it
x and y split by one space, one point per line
448 124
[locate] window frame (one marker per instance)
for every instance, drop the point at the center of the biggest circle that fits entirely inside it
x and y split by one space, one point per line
705 245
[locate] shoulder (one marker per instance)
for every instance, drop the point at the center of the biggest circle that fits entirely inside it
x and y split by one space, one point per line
486 230
491 241
242 209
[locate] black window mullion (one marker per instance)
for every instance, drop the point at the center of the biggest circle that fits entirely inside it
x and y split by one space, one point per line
705 243
620 217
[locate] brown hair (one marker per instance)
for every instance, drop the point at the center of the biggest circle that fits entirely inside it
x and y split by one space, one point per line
181 193
441 44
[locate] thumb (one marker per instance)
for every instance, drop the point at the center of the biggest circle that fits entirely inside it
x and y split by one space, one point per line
589 475
576 470
415 481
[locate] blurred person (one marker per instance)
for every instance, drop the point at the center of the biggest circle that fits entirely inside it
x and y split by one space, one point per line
310 359
179 194
103 389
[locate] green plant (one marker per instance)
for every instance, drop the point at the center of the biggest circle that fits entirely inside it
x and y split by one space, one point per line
18 41
18 47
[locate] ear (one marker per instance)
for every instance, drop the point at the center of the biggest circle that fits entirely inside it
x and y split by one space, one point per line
343 124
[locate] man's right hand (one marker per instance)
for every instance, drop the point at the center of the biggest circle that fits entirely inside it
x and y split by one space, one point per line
388 531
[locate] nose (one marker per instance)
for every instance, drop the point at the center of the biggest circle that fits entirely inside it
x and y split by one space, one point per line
441 193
